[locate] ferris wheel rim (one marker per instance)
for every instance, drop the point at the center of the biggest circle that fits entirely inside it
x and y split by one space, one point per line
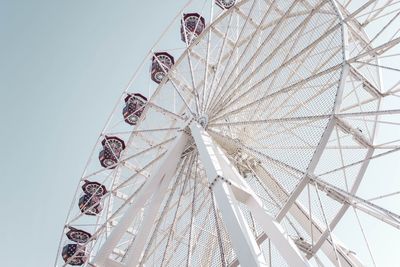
329 127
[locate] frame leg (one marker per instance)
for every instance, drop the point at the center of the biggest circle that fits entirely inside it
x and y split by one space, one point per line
243 241
220 173
161 177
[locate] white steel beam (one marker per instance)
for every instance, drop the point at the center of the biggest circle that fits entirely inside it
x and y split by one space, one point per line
308 224
366 206
310 170
229 187
242 239
345 206
160 177
135 253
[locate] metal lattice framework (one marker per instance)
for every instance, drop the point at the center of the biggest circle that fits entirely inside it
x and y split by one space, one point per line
252 147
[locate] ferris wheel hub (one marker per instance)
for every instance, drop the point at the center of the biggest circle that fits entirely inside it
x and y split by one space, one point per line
203 121
266 101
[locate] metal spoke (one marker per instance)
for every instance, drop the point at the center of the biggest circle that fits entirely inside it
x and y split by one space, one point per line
252 149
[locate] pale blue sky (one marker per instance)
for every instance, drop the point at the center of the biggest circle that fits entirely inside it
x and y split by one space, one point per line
63 64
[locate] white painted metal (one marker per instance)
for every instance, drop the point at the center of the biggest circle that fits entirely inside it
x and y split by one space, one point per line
159 180
310 170
300 214
242 239
222 175
135 253
258 98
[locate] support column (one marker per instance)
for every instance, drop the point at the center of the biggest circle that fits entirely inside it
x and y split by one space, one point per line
230 187
243 241
161 177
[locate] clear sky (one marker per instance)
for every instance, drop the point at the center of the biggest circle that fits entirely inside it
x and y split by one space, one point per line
63 65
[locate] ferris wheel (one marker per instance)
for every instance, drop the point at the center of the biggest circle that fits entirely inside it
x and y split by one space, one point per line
249 142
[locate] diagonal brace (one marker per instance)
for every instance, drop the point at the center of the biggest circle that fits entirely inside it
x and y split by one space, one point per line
156 183
230 188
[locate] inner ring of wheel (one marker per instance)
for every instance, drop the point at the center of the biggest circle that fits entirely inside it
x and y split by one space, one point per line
321 39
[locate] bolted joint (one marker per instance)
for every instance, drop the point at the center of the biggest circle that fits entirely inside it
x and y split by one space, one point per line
219 178
203 121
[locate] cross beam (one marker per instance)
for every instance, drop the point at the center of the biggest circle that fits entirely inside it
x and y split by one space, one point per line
157 184
229 188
